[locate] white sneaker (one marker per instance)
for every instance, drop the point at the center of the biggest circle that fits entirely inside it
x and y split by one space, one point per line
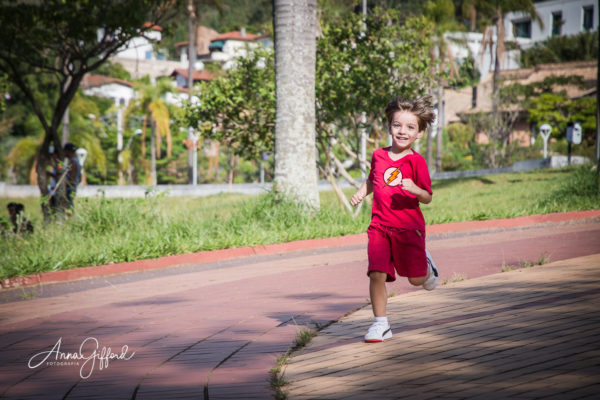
432 271
378 332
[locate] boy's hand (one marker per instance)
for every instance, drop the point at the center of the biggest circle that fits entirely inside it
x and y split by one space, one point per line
422 195
357 198
410 187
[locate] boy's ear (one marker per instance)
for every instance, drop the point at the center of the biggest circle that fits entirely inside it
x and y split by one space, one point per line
420 134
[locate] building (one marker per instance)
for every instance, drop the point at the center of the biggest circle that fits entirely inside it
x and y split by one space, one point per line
139 57
474 44
119 90
141 47
181 76
558 17
228 46
458 103
204 35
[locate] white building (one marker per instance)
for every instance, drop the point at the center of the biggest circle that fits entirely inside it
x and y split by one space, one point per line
228 46
558 17
464 44
142 47
103 86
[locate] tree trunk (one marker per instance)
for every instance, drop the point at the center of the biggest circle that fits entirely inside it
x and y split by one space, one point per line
440 127
57 203
295 61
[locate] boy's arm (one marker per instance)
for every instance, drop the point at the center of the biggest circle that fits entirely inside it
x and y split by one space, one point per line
422 195
365 189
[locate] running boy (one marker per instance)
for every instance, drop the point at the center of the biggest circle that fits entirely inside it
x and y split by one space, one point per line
399 180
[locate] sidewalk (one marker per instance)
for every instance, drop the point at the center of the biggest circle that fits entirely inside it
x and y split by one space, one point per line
213 330
525 334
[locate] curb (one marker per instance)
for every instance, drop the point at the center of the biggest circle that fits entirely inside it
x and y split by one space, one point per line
228 254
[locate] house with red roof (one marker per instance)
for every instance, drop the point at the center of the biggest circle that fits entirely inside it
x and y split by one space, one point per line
105 86
141 47
181 76
228 46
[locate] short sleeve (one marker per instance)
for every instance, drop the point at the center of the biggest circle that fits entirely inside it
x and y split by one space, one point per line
372 171
423 178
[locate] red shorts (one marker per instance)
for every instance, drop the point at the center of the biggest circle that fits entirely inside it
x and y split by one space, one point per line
396 249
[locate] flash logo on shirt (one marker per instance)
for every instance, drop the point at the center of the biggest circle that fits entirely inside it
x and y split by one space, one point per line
392 177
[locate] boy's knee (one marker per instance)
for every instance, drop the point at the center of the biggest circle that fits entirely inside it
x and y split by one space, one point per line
418 281
377 276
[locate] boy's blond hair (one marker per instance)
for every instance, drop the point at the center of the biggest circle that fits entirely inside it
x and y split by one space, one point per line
421 107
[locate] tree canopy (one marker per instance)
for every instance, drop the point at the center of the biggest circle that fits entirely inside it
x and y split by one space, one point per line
57 42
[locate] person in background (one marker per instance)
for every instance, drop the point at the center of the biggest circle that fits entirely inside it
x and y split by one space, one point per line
18 220
73 172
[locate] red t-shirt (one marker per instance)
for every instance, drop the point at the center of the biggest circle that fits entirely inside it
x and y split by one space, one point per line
393 206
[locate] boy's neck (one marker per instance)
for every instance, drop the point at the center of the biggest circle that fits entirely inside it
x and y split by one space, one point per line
396 154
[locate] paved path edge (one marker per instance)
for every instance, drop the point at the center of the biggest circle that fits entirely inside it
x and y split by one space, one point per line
227 254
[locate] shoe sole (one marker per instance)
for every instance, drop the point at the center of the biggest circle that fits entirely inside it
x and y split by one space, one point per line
387 335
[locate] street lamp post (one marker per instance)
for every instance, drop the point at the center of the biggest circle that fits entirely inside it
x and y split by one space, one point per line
81 154
121 179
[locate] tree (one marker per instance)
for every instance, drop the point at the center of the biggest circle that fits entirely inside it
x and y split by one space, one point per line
515 98
493 12
360 70
192 9
64 40
295 58
580 47
151 105
238 109
441 12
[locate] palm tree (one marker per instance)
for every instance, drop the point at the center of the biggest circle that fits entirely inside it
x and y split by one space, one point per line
496 10
441 12
22 157
492 13
155 113
192 9
295 59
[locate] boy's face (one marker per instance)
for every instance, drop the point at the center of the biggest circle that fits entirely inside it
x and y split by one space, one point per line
404 130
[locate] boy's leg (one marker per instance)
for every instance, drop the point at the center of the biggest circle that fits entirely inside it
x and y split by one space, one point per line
380 329
432 277
378 292
380 270
429 281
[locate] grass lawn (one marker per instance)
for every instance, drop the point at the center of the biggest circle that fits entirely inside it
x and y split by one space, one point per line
115 230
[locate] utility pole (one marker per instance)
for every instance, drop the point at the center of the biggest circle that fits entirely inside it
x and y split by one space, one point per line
190 83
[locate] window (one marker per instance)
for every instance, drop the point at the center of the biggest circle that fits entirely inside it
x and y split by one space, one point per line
556 23
588 18
149 55
522 29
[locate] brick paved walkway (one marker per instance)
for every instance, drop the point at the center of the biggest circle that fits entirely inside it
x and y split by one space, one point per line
213 330
526 334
